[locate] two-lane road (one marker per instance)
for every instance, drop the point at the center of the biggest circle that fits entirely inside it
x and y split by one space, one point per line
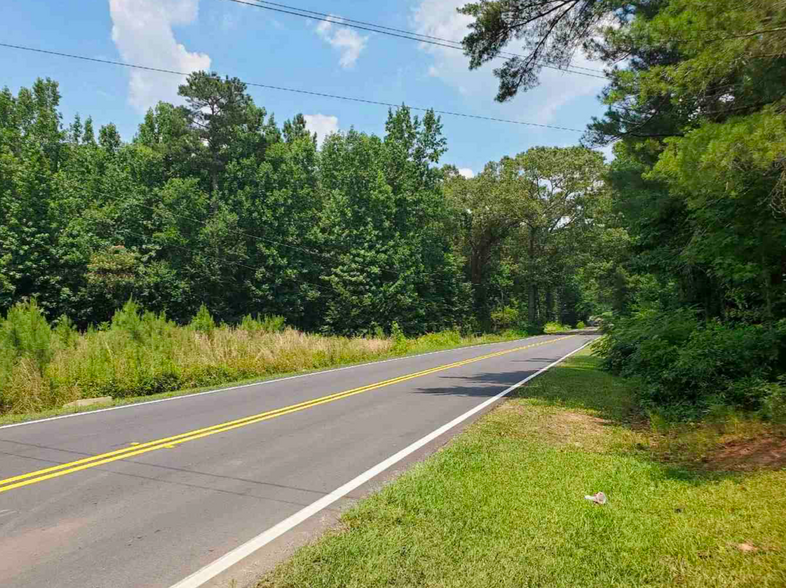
148 494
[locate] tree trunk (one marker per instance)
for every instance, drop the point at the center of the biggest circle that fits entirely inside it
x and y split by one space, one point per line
766 287
549 313
533 303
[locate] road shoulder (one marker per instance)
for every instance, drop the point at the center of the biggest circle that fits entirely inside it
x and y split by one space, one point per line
504 504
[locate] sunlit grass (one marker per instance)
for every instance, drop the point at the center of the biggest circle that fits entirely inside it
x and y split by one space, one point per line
504 505
144 357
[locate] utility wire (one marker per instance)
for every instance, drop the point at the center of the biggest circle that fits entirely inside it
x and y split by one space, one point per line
399 33
441 41
336 19
283 89
343 20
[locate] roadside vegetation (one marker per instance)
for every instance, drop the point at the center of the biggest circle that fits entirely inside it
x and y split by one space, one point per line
691 263
140 354
503 505
677 246
243 215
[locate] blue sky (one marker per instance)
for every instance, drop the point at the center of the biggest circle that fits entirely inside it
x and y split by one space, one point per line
277 49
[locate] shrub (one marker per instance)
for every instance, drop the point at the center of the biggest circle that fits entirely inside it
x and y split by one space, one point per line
203 321
397 334
774 401
264 324
505 318
581 325
532 328
688 365
554 327
66 332
645 342
26 334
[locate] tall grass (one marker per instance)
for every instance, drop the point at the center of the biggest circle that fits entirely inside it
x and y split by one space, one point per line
143 353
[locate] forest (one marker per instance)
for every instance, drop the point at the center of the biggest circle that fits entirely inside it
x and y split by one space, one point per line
214 210
219 220
215 204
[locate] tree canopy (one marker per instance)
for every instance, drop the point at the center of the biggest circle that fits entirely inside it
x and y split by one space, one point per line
213 203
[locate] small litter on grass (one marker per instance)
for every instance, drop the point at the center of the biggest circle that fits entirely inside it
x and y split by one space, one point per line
599 498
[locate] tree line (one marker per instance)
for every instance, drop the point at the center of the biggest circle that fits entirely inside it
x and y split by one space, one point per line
696 110
213 203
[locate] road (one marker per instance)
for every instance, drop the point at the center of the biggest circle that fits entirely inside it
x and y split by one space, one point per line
147 495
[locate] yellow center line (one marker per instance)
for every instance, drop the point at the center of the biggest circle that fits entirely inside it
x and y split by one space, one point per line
169 442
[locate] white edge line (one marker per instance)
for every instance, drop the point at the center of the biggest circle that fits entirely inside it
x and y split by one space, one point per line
210 571
262 383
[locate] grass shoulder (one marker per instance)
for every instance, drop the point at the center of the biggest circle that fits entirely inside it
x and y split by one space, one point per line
503 504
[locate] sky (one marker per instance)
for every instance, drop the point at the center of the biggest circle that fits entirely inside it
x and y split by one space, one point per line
277 49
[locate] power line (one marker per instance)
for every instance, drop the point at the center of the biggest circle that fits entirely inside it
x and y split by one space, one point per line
336 19
298 91
344 20
390 31
450 44
421 37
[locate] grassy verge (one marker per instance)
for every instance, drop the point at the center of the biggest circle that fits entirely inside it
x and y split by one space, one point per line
102 363
504 504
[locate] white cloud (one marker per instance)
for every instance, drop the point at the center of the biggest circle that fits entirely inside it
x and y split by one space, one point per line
608 152
438 18
466 172
347 41
142 32
321 124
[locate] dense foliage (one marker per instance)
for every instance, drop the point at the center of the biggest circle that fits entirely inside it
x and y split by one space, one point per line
214 214
696 107
213 204
526 225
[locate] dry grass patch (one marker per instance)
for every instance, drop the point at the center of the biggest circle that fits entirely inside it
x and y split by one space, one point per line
143 355
730 444
750 455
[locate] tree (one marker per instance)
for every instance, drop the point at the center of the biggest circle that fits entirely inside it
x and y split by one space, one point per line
699 110
382 224
529 208
550 31
224 119
561 184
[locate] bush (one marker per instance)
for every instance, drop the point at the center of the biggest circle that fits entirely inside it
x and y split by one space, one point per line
203 321
505 318
536 328
554 327
774 401
581 325
66 332
265 324
26 333
399 339
688 365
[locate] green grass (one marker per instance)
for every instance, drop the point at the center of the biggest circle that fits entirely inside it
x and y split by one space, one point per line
503 505
369 350
554 327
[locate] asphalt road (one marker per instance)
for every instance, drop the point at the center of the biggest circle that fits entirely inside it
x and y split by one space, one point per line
182 482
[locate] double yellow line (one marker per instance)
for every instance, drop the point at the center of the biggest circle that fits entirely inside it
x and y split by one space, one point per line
169 442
